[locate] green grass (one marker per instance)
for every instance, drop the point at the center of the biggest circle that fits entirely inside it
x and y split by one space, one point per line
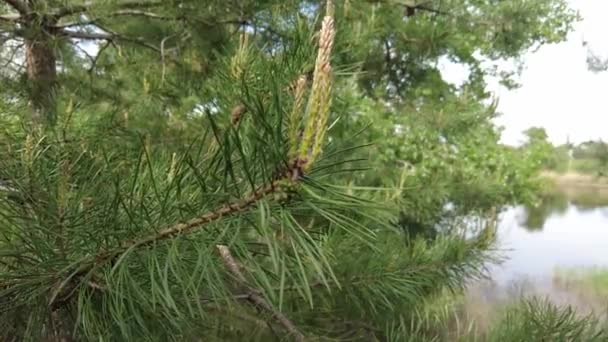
588 282
588 166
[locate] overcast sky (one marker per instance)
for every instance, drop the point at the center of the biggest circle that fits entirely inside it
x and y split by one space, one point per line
558 91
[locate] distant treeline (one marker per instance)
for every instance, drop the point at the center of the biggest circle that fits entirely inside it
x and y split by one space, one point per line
589 157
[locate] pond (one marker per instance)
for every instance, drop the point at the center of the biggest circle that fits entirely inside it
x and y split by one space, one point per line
558 249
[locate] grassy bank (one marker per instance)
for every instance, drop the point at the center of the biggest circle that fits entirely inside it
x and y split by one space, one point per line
581 190
575 179
591 283
522 314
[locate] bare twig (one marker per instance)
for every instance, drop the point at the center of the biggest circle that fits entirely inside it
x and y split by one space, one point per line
108 37
84 51
139 13
162 57
254 296
11 18
430 9
96 286
98 55
13 54
88 35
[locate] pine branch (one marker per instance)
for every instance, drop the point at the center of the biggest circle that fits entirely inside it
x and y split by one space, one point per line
65 289
255 298
78 9
200 222
134 13
151 15
411 7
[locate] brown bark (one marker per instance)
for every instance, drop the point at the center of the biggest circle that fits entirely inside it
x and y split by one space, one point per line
256 299
40 59
42 77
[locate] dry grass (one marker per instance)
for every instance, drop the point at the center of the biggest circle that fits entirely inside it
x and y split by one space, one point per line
575 179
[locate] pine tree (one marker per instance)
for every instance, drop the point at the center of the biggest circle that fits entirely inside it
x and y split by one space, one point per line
192 178
232 234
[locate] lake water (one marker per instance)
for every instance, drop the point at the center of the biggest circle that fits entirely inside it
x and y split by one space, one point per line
568 238
568 230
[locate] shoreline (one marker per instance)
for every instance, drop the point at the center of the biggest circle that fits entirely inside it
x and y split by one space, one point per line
575 179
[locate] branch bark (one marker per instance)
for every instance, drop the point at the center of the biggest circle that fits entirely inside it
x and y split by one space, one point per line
77 9
427 9
255 298
292 174
42 74
132 13
149 15
11 18
140 13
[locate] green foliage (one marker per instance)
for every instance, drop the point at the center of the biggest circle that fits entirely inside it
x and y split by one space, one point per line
175 141
596 155
300 254
550 201
538 146
554 199
589 157
540 320
589 283
405 50
446 153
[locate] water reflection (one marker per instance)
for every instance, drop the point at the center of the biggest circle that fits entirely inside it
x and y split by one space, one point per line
568 230
569 237
552 203
557 202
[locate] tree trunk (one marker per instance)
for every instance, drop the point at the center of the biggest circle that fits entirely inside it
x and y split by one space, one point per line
42 77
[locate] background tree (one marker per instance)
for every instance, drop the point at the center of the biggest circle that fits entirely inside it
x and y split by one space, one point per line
591 156
537 144
595 62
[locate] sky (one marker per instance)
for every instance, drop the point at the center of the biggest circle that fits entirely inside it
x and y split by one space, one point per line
558 92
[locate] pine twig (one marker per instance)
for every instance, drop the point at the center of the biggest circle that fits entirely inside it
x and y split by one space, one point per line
65 288
254 296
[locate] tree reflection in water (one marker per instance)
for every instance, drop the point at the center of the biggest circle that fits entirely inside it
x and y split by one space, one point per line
558 200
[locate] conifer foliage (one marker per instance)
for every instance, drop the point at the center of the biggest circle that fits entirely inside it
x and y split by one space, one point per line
195 177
